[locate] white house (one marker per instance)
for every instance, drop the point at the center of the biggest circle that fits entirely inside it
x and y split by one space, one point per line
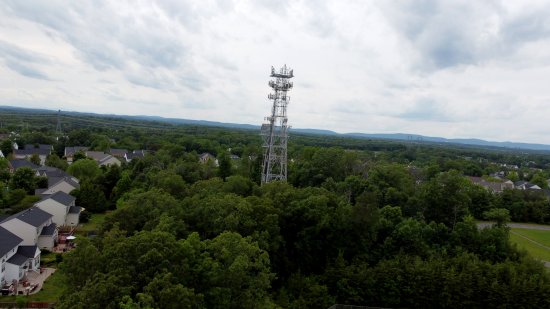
1 154
64 184
59 205
34 226
25 259
8 247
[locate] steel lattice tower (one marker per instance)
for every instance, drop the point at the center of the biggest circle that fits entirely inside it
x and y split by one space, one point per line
275 128
58 126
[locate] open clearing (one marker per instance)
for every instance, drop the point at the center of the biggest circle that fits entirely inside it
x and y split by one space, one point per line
536 242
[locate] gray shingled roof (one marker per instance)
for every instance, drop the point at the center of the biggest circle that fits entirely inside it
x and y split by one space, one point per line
118 152
39 191
97 155
40 146
70 151
33 216
75 210
49 171
18 259
135 154
52 181
17 164
62 197
27 251
8 241
30 152
49 230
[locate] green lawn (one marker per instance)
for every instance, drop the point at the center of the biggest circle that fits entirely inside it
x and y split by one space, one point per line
539 236
95 223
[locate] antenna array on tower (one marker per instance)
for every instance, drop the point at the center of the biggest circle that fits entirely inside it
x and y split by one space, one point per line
275 128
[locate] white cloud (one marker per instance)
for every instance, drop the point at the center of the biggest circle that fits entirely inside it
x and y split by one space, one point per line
451 69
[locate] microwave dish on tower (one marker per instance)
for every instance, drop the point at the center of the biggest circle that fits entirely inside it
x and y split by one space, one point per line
275 127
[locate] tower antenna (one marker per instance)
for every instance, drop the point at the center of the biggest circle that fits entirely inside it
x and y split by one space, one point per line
58 127
275 128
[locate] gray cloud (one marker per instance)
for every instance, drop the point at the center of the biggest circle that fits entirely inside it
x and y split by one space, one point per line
451 33
110 40
22 61
26 70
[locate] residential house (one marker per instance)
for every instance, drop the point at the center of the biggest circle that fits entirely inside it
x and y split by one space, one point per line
524 185
56 184
205 157
8 247
136 154
71 151
34 226
103 159
492 186
508 184
73 217
62 206
25 259
14 165
41 150
119 153
48 171
1 154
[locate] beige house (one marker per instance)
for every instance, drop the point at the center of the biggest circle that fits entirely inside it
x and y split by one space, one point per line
205 157
62 206
34 226
103 159
71 151
64 184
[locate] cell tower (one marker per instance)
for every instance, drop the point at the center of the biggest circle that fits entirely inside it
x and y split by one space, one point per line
275 128
58 127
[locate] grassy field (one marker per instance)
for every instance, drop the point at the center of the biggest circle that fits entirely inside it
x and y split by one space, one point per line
96 220
538 247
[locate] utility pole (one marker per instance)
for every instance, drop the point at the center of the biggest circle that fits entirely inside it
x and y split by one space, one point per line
275 128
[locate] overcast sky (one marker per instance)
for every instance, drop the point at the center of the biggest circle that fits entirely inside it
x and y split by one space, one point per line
440 68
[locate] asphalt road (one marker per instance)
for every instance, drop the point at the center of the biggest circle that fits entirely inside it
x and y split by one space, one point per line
518 225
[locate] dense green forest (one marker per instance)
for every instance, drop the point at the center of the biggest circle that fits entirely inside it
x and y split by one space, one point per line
360 222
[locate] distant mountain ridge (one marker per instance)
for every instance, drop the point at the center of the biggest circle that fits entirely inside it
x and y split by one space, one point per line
389 136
